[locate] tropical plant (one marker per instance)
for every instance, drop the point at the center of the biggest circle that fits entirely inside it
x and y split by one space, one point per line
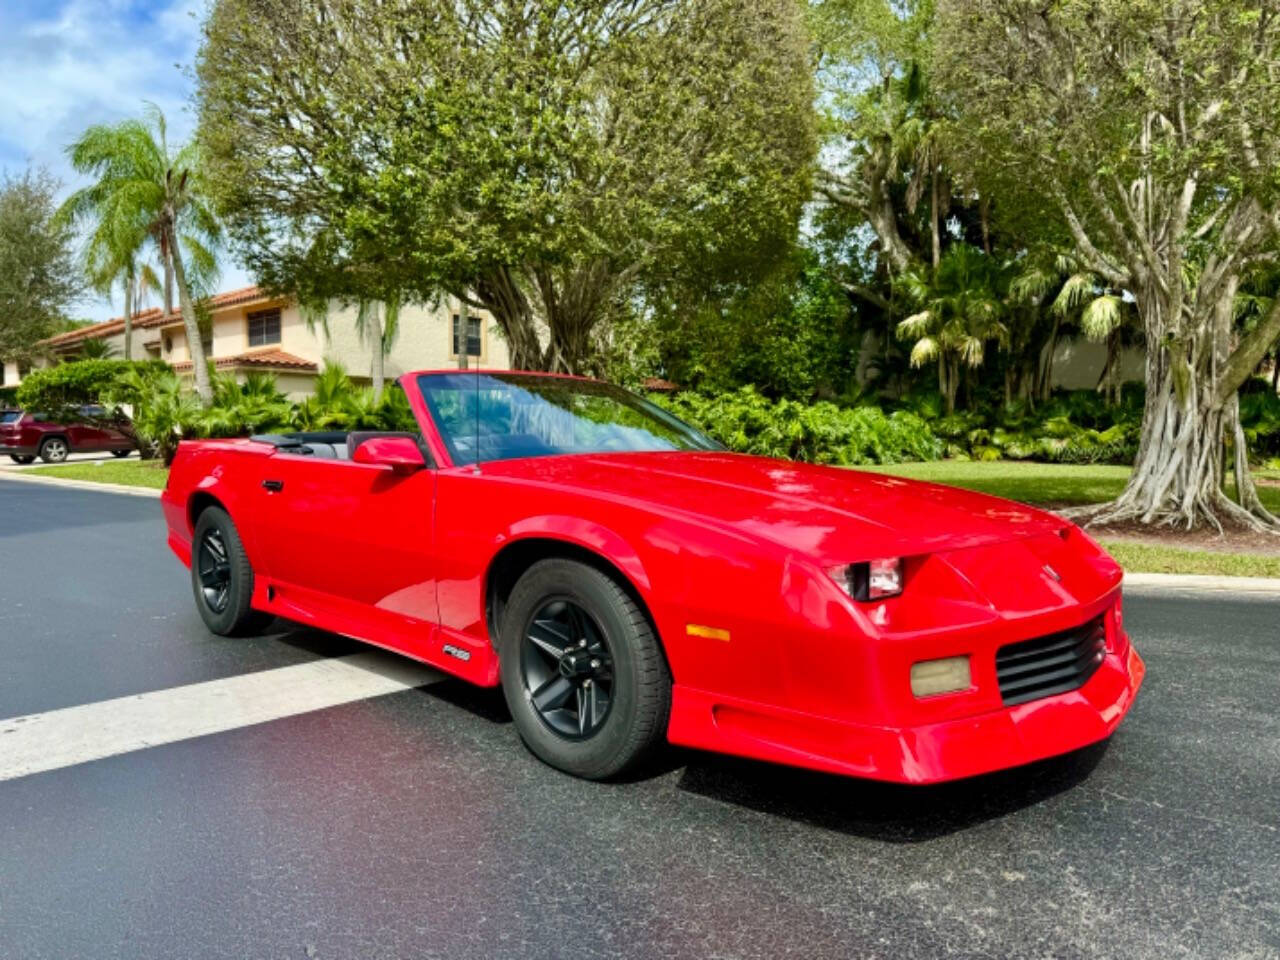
144 190
97 349
960 311
112 261
821 432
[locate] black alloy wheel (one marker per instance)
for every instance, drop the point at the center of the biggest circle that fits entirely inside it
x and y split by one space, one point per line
583 671
214 569
567 669
222 578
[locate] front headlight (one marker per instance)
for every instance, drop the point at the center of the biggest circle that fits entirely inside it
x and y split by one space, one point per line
870 579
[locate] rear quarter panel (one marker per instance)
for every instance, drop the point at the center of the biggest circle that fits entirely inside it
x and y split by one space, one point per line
226 471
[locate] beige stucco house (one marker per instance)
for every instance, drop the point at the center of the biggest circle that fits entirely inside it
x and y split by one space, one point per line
252 331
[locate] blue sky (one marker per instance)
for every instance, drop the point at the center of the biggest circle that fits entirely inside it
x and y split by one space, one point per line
66 64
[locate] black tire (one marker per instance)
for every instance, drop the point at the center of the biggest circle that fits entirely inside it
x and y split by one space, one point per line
120 454
633 721
23 459
54 449
221 577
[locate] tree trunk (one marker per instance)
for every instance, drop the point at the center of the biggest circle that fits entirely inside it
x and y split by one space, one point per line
168 285
1191 407
933 218
128 318
460 335
502 297
199 366
1275 372
377 337
984 215
950 384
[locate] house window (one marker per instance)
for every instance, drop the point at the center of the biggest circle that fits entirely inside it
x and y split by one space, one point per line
473 336
264 327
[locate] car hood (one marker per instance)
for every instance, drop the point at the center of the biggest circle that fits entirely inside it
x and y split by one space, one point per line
829 513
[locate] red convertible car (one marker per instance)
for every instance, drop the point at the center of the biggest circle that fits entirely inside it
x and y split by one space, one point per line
627 581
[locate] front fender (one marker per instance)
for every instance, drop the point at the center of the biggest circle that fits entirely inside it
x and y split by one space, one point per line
587 534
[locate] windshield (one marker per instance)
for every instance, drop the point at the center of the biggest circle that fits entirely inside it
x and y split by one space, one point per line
10 416
528 416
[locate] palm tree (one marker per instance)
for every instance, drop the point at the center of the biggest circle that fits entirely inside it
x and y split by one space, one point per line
143 190
96 350
376 322
112 260
960 310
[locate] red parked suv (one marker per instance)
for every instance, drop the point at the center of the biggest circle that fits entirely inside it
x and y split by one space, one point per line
25 436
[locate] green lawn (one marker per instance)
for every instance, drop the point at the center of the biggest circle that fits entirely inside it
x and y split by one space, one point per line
1040 483
1150 558
134 473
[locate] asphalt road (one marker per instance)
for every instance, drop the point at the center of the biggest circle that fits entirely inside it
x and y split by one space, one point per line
415 825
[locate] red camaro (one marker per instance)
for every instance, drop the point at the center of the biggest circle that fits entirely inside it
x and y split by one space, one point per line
627 581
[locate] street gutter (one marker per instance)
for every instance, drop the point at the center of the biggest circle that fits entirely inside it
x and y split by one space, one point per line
126 489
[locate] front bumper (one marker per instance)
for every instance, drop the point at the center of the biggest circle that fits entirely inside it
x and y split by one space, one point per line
927 753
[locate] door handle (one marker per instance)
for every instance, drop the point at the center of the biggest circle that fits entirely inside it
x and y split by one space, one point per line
274 486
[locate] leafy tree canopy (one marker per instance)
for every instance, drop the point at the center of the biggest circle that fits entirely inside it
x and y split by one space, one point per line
1144 130
39 277
548 160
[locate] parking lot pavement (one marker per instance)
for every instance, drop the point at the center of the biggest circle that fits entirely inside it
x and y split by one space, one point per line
413 824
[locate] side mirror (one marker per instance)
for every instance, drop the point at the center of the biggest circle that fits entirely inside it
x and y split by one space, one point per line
399 453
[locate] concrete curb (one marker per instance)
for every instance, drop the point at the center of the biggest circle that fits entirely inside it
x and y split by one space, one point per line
22 477
1201 583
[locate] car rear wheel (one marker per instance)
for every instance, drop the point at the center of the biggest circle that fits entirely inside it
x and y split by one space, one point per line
23 458
582 671
120 454
221 577
54 449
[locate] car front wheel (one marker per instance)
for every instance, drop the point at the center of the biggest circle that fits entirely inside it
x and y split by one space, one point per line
221 577
120 454
54 450
21 458
582 671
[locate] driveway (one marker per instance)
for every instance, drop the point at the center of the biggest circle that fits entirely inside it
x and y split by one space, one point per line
413 824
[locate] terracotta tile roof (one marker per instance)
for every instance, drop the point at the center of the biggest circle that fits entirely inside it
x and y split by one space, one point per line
274 359
218 301
661 386
146 319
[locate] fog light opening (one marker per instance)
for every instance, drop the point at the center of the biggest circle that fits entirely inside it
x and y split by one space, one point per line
929 678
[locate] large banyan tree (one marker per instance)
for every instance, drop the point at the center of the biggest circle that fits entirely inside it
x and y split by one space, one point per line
1147 130
542 158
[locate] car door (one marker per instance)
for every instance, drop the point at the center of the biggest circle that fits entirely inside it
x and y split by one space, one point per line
85 436
348 546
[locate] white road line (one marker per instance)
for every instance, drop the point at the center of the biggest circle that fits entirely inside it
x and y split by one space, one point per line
62 738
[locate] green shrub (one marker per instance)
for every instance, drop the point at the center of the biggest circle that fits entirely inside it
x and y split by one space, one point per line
820 433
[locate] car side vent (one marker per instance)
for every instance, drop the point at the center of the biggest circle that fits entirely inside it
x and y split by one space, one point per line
1031 669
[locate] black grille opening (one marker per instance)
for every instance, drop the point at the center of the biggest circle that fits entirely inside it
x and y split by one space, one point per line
1044 666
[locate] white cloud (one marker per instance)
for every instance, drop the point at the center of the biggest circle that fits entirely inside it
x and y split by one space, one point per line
68 65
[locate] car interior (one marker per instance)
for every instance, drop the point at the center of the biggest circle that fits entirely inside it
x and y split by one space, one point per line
331 444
